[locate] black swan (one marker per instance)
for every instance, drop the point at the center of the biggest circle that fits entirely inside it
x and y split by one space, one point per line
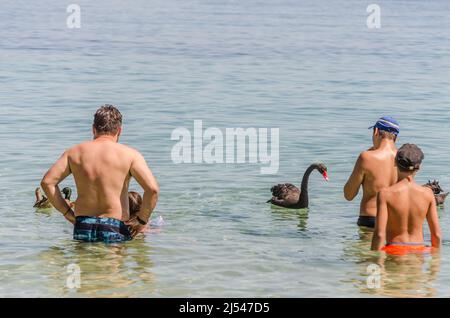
289 196
42 201
437 190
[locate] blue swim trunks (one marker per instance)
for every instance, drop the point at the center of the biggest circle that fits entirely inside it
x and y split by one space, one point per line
97 229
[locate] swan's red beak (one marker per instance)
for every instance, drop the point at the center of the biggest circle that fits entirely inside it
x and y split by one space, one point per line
325 175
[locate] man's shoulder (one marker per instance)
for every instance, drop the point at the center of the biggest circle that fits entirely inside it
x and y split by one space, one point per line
76 148
128 149
82 146
85 145
130 152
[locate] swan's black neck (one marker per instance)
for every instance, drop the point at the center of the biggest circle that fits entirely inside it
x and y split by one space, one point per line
67 193
303 200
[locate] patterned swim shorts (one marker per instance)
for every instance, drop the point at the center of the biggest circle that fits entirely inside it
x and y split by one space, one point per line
98 229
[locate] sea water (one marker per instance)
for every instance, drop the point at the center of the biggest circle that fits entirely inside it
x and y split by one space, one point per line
313 69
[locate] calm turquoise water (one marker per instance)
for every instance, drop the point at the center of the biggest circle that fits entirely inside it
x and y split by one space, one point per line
311 68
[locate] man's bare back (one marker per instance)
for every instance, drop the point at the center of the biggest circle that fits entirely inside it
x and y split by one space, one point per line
102 171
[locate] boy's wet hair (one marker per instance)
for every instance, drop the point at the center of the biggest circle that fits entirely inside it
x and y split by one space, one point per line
409 158
134 202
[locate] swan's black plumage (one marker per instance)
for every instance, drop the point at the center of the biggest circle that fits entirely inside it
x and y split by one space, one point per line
289 196
439 194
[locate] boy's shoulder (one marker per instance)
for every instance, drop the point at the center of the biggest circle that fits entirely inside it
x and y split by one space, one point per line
367 154
389 191
425 191
366 158
397 189
375 154
392 191
371 156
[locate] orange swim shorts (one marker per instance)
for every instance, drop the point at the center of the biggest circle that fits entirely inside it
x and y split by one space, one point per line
406 248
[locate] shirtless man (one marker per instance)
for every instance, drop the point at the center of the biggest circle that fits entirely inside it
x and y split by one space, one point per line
102 169
403 207
374 170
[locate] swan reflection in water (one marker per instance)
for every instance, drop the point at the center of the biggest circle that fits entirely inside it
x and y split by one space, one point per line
300 215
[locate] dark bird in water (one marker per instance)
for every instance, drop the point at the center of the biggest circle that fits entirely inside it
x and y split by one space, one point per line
42 201
437 190
289 196
67 191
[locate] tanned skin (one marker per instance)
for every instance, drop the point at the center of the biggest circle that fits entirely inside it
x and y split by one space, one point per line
374 170
102 169
402 209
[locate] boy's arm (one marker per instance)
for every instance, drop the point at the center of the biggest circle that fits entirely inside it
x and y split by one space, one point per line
379 234
433 223
355 180
58 172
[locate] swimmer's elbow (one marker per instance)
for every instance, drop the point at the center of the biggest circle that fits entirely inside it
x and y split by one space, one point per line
45 183
348 195
153 190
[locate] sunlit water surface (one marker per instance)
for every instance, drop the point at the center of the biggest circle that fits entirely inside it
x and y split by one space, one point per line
310 68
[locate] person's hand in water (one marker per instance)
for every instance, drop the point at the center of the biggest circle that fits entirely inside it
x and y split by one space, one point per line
135 226
70 215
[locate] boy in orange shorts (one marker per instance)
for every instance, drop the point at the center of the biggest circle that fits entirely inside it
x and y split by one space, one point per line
403 207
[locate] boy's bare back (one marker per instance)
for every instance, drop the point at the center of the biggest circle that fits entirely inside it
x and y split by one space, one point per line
403 207
379 171
408 205
374 170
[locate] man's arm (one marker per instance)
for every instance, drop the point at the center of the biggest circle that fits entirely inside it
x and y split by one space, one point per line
355 180
143 175
58 172
433 223
379 233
